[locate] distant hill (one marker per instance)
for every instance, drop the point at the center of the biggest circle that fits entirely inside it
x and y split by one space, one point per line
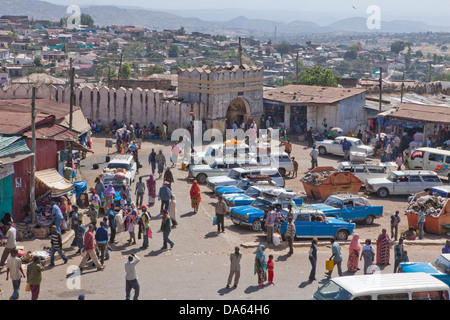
240 25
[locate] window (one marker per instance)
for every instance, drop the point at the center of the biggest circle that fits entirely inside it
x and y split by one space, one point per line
302 218
376 170
363 298
404 179
415 179
436 157
358 170
393 296
332 291
431 179
447 159
417 154
348 204
430 295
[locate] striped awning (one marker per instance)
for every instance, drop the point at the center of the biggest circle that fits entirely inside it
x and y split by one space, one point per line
54 181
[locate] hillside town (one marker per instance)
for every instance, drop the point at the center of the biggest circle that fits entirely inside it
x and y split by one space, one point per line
104 130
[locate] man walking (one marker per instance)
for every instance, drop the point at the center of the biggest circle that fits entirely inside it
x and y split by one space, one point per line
14 268
10 243
336 257
395 221
93 215
235 267
79 235
57 216
399 254
346 145
421 221
112 223
152 160
164 196
314 155
166 228
160 162
221 210
101 237
89 249
56 243
310 137
270 222
140 190
34 276
146 226
131 279
290 235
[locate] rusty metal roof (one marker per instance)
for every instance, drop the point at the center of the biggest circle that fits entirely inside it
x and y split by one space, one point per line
302 94
422 113
49 107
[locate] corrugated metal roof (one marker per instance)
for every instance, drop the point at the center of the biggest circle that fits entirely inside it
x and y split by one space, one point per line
420 112
49 107
14 152
296 94
54 181
53 131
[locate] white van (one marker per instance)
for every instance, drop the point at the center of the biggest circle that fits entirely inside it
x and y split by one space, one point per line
434 159
389 286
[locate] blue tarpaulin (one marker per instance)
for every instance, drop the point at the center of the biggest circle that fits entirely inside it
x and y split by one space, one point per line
80 187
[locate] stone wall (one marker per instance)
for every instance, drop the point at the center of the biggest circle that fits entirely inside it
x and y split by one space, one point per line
421 88
136 106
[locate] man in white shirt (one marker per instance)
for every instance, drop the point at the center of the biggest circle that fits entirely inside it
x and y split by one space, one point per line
15 271
10 243
131 277
314 155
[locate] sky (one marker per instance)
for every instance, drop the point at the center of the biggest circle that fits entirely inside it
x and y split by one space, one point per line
436 11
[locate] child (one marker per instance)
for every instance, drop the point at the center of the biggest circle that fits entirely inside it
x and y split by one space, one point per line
130 228
270 268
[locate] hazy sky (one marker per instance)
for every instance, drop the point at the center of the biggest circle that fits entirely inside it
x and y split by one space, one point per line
390 9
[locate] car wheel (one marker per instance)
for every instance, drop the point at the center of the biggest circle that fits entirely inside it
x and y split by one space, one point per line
341 235
383 192
322 151
201 178
282 171
369 220
256 225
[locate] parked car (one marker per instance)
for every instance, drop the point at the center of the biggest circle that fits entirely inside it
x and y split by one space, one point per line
280 160
123 161
403 182
253 192
237 174
212 152
335 146
434 159
439 269
201 172
310 222
366 171
350 207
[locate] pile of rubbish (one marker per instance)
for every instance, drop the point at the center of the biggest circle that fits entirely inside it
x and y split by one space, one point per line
316 178
433 205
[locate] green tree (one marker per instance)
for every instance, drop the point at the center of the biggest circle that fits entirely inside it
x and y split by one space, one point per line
154 69
38 62
283 48
125 72
173 51
318 76
180 32
398 46
343 67
113 47
87 20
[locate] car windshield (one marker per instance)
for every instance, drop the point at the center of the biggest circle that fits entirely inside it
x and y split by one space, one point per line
261 204
332 291
392 177
125 166
333 202
234 174
252 192
442 264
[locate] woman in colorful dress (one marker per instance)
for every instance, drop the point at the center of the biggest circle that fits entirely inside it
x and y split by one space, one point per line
109 194
354 250
383 248
195 196
151 187
261 265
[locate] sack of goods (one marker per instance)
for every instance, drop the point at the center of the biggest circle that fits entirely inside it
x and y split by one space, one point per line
120 176
276 239
359 157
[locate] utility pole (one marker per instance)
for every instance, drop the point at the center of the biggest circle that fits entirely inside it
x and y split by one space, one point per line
240 52
429 75
33 157
120 70
403 85
72 99
296 69
381 98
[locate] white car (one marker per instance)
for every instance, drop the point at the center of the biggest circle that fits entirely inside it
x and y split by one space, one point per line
335 146
201 172
403 182
126 162
280 160
238 174
366 171
210 153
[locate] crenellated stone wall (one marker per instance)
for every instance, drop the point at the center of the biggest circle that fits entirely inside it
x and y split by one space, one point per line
136 106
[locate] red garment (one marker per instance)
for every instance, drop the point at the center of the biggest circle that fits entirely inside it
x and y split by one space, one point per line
195 191
88 241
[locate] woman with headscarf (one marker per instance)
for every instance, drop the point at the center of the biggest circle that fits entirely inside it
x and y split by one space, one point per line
354 249
151 187
195 196
168 177
261 265
109 194
383 248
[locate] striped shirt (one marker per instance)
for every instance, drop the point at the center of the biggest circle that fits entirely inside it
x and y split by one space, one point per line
55 240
